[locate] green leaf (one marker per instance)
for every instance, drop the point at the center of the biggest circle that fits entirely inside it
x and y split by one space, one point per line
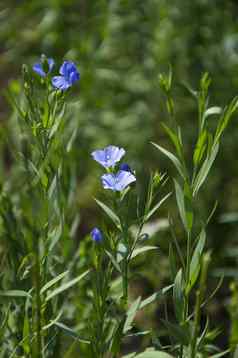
15 294
195 262
71 333
172 157
53 281
178 296
140 250
109 213
153 354
212 111
122 252
203 172
181 204
66 286
130 355
174 139
155 296
221 354
225 118
114 262
157 206
200 148
131 314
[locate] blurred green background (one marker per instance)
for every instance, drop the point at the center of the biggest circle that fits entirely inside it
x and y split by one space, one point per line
120 48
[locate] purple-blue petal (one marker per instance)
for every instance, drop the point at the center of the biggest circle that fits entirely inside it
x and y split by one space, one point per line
123 179
96 235
117 182
108 181
37 67
73 77
60 83
108 156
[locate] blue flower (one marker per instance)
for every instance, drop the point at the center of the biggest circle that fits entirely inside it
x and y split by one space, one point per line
38 67
125 167
118 181
108 156
69 75
96 235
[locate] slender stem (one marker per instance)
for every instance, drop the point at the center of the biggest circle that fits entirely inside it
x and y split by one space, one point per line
37 284
199 298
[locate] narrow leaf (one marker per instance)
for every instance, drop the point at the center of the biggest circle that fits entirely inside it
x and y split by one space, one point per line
53 281
157 206
178 296
181 205
66 285
172 157
109 213
15 294
203 172
143 249
131 313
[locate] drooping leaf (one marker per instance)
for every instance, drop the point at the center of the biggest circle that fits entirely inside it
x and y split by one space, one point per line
172 157
110 213
70 332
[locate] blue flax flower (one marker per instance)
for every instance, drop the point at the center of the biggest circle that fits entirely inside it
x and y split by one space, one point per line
118 181
125 167
69 75
108 156
38 67
96 235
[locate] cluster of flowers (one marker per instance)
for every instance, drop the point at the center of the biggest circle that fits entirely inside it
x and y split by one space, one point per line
113 180
68 73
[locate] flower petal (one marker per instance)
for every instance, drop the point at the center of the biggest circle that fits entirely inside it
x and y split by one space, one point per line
60 82
108 181
99 156
74 76
114 153
123 179
37 67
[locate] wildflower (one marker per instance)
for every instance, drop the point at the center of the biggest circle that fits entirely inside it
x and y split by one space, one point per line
96 235
108 156
40 69
118 181
69 75
125 167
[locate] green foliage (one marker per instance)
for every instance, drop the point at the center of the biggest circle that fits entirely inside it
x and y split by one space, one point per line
59 291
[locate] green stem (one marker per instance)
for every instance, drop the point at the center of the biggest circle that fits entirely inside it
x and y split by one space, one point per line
37 284
199 298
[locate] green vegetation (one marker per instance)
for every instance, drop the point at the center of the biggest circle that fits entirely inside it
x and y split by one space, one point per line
159 78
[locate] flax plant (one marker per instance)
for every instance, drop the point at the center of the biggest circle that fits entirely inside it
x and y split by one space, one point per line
190 269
